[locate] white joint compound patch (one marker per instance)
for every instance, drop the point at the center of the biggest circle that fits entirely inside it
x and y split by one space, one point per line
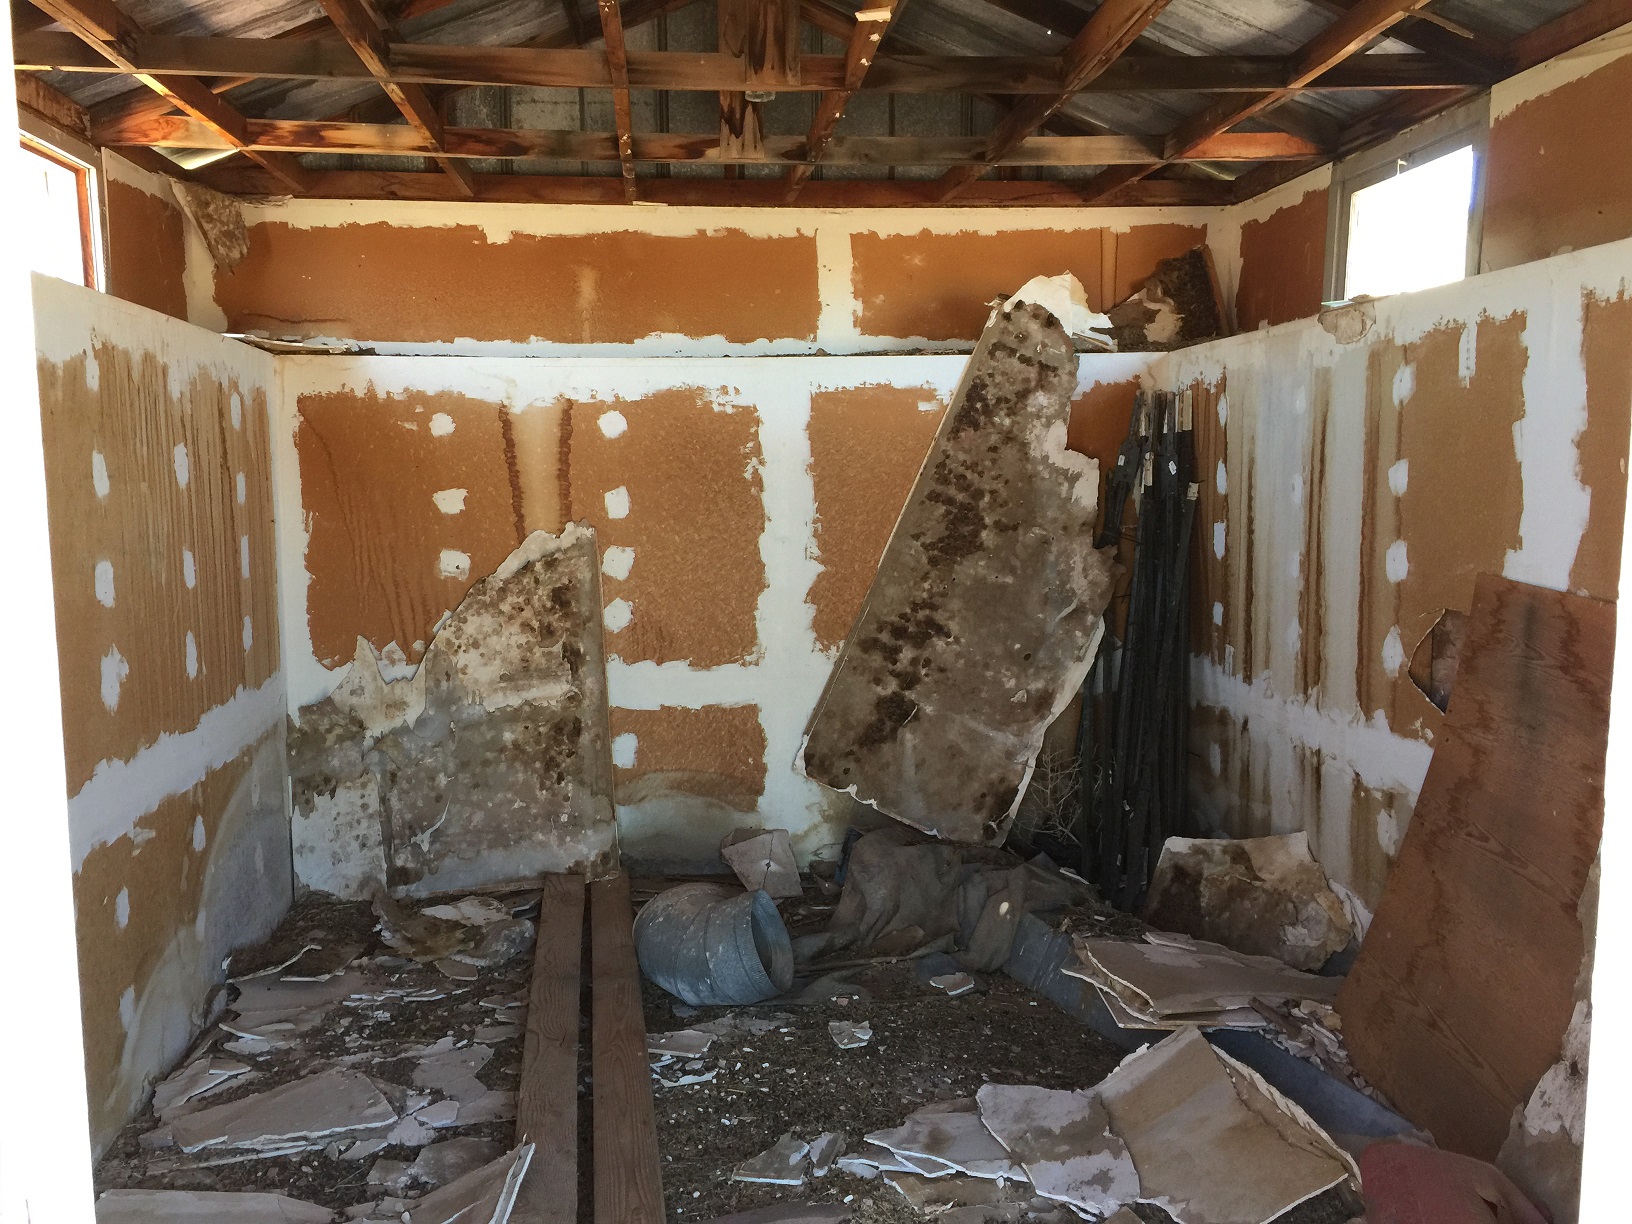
617 562
243 555
1393 652
617 615
189 568
237 406
1405 384
441 425
1397 564
192 656
1221 480
249 634
1218 613
198 833
617 503
114 671
1399 477
613 424
449 501
127 1008
104 583
99 474
243 490
453 564
181 464
1218 540
623 750
121 909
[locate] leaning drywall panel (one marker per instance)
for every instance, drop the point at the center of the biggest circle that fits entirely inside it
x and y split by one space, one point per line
741 507
1362 468
157 452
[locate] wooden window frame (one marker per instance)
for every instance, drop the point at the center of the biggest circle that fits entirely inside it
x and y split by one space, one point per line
84 161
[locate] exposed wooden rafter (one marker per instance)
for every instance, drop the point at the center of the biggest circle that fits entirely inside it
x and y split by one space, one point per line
365 30
1099 44
107 30
870 28
1579 25
761 39
1444 40
617 67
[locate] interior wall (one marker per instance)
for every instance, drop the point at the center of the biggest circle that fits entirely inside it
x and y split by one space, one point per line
741 505
1358 471
158 465
145 239
507 280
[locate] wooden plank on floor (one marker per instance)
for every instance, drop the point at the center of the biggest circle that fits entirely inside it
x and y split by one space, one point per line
547 1101
628 1186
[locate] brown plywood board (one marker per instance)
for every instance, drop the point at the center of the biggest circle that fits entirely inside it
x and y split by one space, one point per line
1463 988
866 446
1283 261
666 481
407 284
1555 180
146 250
964 652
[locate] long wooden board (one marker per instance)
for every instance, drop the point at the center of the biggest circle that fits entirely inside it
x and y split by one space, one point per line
1460 996
628 1182
547 1101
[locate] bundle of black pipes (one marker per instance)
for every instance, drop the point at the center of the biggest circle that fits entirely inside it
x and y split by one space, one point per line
1133 740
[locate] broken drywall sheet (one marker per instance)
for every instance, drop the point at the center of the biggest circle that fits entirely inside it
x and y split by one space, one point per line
954 1137
1173 976
205 1207
1264 896
986 609
1065 1143
763 860
491 763
1210 1144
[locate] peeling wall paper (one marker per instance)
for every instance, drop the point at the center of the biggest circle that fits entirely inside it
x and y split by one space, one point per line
692 720
1368 483
177 815
808 281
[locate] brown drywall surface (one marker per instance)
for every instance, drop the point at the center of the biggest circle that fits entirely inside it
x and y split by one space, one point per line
1464 495
421 284
155 532
1283 260
1558 172
1606 351
688 462
939 286
147 250
866 446
715 752
1099 425
370 465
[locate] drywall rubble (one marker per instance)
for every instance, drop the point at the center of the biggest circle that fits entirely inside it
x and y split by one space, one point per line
985 612
491 764
782 1164
1065 1143
763 860
205 1207
1263 896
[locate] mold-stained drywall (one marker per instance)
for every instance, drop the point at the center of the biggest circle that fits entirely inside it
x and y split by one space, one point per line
1557 176
1359 471
741 505
158 464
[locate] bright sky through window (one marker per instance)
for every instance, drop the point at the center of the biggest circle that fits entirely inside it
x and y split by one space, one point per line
1411 231
55 218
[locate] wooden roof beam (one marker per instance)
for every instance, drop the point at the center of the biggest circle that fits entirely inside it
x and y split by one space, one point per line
365 29
107 30
617 66
763 37
1581 24
1100 43
870 28
1444 40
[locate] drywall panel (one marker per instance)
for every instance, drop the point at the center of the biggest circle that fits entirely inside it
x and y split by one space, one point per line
1359 471
146 250
158 464
741 505
1283 259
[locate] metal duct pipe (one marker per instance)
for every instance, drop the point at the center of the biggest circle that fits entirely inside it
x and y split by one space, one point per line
711 945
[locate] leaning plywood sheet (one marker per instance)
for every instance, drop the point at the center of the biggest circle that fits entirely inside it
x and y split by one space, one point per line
492 763
985 611
1464 986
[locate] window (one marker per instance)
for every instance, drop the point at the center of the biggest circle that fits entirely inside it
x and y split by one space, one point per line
1405 216
60 202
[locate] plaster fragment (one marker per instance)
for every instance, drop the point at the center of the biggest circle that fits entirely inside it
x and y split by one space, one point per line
441 425
613 424
1399 477
1393 652
617 503
623 750
99 474
1397 564
114 671
449 501
617 562
181 464
454 564
104 583
617 615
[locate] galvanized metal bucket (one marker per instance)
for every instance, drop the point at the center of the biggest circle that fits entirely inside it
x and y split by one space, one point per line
711 945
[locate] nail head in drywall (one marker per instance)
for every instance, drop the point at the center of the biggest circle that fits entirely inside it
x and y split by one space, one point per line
1218 540
1405 382
449 501
181 464
243 555
192 656
1223 410
617 615
454 564
617 503
1393 652
104 583
243 490
237 410
114 671
613 424
1397 564
623 750
441 425
1399 477
121 909
617 562
189 570
249 634
99 474
198 833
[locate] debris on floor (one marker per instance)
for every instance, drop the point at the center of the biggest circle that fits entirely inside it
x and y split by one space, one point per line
848 1036
780 1165
763 860
1263 896
936 707
205 1207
